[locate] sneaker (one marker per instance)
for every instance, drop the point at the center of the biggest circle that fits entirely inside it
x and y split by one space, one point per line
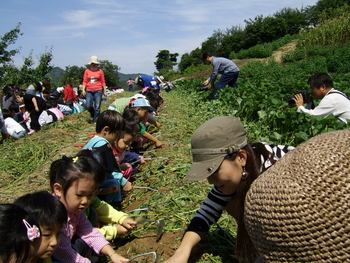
91 120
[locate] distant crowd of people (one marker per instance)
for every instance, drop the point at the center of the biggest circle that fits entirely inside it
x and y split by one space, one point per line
26 111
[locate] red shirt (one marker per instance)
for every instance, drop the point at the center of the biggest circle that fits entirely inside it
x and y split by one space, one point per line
69 94
94 80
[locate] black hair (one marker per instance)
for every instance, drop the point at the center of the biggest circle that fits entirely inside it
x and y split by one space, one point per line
38 86
67 170
153 102
112 119
131 113
14 242
6 113
68 83
14 107
132 127
47 84
245 249
45 208
206 55
9 89
320 79
153 96
51 104
46 91
20 93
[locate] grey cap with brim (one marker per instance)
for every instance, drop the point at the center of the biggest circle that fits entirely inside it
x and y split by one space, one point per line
212 142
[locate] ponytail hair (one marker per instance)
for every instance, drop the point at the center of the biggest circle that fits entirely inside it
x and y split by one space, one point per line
67 170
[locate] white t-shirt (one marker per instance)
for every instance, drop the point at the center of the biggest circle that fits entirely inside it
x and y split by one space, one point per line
333 103
11 126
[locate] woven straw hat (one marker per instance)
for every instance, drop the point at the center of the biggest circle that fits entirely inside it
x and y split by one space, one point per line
298 210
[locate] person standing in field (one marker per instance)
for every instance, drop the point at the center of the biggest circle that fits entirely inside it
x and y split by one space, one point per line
130 84
94 86
224 66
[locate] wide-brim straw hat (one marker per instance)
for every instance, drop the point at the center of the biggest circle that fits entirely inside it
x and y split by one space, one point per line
94 60
298 210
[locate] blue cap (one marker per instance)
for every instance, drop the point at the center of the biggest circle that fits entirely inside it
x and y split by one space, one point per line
142 102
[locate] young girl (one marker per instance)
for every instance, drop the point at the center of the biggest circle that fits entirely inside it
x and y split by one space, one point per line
222 154
51 215
34 105
75 182
119 147
19 235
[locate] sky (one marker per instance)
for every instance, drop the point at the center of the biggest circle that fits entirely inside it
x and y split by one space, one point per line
128 33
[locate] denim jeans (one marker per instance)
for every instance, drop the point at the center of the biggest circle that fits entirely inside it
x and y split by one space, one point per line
229 78
93 102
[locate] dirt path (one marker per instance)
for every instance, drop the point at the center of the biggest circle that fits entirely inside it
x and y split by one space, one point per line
283 50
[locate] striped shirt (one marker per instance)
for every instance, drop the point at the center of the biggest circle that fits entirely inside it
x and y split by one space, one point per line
213 206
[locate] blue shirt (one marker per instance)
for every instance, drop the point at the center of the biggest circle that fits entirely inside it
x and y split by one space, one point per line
149 81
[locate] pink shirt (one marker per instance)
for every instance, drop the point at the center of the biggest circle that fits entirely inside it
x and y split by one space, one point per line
94 80
78 225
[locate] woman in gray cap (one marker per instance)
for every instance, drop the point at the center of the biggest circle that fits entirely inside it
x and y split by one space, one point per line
222 155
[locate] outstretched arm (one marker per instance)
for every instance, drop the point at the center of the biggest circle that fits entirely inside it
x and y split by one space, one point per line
182 254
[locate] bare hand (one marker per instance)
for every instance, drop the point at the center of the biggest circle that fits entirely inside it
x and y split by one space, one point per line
127 187
299 101
159 144
205 83
129 223
115 258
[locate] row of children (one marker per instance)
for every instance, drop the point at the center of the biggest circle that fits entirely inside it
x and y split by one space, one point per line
24 113
43 233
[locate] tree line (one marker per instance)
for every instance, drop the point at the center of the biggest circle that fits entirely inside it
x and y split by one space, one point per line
225 43
261 30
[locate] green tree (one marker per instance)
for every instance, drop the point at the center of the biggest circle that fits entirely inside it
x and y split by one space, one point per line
295 19
111 73
192 59
323 8
74 74
165 60
6 55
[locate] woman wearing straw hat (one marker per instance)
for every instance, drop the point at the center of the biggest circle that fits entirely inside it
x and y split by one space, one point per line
222 155
94 86
298 211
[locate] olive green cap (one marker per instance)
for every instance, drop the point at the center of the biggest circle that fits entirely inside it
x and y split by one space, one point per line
211 142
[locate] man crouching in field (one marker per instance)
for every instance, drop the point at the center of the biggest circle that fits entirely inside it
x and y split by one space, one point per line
333 101
224 66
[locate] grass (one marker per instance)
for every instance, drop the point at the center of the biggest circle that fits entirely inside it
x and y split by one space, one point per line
175 202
